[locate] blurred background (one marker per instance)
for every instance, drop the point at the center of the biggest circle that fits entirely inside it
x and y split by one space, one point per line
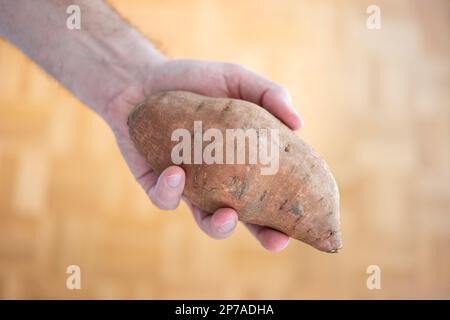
376 106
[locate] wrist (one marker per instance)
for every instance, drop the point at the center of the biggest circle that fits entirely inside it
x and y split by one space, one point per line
128 94
130 60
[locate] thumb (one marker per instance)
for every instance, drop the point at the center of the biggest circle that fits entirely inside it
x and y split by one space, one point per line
167 191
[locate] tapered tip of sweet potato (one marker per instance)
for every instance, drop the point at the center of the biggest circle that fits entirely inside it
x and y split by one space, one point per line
332 244
321 228
329 240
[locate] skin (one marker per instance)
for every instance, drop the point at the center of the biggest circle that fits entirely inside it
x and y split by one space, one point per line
99 53
308 207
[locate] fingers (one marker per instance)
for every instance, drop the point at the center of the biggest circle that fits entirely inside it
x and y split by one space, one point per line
166 192
278 101
222 223
270 239
247 85
219 225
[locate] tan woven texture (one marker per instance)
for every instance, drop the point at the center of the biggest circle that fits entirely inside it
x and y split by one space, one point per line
376 106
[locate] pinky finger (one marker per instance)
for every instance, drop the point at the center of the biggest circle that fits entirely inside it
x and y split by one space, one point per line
219 225
270 239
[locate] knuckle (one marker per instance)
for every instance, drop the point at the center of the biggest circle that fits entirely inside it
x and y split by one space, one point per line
233 68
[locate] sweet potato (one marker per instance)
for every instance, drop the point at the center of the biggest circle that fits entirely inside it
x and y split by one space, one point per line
301 199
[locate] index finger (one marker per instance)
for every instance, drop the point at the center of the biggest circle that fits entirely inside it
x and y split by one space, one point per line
247 85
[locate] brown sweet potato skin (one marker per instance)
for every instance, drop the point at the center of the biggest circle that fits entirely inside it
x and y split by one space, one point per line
301 199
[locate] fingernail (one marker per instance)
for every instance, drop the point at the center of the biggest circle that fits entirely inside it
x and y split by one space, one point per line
301 123
174 180
294 111
227 227
288 101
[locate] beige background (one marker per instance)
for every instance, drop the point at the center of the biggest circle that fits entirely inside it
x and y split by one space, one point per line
376 105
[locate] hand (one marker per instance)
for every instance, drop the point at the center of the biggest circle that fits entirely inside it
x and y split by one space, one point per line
111 67
211 79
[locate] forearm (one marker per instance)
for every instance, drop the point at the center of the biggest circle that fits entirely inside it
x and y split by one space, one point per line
95 63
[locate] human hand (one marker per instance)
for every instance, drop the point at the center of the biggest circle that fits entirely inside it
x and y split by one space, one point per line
210 79
111 67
